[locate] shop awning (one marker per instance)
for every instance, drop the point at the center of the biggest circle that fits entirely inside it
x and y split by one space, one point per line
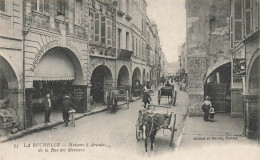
125 54
53 67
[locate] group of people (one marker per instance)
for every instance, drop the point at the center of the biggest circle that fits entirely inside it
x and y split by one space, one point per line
66 105
208 110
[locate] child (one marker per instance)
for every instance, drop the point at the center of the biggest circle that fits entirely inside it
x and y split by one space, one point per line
211 114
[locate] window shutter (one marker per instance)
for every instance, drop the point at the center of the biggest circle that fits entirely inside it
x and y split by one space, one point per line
248 17
97 27
109 32
103 29
78 12
113 34
237 23
34 4
231 32
46 6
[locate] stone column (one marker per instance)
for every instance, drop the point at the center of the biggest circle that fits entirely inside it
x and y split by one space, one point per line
15 98
197 67
236 103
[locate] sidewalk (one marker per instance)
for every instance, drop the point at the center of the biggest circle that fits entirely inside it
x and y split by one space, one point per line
56 119
224 130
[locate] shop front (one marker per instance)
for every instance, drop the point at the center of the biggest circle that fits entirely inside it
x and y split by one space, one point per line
58 73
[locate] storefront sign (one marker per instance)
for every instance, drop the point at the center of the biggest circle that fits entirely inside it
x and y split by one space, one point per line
80 97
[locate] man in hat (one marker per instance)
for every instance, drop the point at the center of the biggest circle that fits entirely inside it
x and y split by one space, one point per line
47 107
146 98
65 107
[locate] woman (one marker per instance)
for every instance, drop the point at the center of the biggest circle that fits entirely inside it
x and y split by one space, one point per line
205 107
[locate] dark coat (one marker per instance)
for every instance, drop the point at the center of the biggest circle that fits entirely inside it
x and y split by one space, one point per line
66 105
45 103
146 97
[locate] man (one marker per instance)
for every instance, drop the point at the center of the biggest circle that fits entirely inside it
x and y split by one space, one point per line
65 107
47 107
146 98
168 84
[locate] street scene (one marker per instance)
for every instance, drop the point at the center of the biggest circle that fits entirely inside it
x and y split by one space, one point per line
129 79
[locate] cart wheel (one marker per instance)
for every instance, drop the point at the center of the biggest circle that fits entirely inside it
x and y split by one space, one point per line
138 133
172 130
175 97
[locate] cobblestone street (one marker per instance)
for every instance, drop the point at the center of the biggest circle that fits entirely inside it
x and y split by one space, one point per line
114 132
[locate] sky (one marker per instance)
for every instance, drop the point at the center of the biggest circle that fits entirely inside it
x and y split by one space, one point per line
170 17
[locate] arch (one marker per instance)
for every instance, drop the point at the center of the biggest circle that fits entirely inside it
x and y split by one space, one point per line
8 72
253 72
136 75
212 68
63 57
101 80
123 77
10 68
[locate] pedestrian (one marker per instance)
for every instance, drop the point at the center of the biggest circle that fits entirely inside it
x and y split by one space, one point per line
211 114
205 107
146 98
47 103
114 102
65 107
168 84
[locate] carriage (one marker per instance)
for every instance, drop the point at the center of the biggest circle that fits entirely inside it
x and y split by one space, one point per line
169 92
114 96
158 119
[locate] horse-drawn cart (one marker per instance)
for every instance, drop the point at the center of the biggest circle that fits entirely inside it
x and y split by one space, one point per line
169 92
151 120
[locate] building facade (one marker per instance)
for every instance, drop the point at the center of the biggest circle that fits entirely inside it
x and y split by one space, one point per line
208 56
83 48
244 44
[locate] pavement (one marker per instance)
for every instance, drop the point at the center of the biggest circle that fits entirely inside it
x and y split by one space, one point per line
221 139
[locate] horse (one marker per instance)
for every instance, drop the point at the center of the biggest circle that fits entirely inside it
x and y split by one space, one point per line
150 128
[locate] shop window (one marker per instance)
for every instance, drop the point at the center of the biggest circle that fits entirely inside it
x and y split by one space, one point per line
61 7
78 12
2 5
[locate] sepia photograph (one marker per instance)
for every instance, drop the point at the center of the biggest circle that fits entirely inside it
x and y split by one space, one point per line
129 79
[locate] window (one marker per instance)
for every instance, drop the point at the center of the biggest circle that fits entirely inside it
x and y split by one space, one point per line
248 17
127 7
97 27
127 40
120 5
133 43
40 5
78 12
103 29
236 23
61 7
2 5
136 45
119 38
109 32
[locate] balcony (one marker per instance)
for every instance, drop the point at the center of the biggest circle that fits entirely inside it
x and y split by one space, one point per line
120 13
128 17
124 54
